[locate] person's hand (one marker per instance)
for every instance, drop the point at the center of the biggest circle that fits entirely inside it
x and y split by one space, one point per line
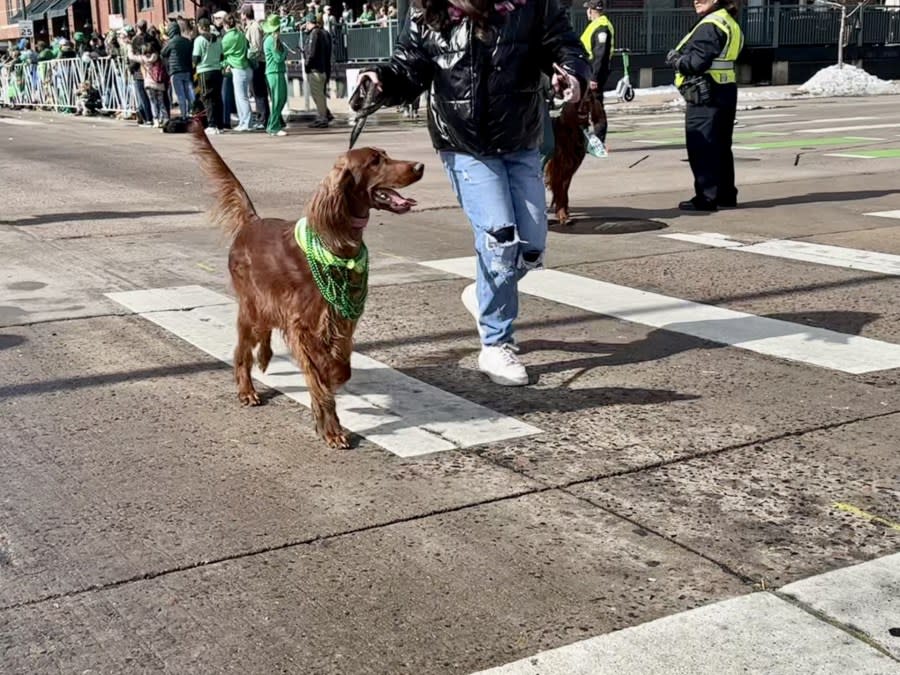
593 85
367 93
372 77
672 57
566 85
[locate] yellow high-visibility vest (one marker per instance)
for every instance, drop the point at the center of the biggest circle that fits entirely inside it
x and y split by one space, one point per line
588 34
722 68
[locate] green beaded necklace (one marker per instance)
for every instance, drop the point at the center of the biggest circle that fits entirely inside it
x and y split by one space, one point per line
343 282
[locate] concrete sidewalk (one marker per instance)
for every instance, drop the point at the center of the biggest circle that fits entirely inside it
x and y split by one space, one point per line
846 621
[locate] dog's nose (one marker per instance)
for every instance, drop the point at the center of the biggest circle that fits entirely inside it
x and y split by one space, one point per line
419 168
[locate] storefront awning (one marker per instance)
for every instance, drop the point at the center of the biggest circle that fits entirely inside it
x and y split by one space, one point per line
34 11
58 8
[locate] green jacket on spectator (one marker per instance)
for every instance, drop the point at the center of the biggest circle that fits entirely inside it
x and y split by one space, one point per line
207 53
274 58
234 49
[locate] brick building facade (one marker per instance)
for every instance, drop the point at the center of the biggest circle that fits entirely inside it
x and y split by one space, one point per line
53 18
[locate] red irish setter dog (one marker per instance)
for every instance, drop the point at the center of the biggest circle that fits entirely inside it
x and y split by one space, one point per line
272 278
569 151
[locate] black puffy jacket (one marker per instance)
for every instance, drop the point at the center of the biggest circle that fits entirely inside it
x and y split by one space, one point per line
177 51
486 97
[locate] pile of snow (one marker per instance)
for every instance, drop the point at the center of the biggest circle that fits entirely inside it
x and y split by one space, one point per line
846 81
763 94
655 91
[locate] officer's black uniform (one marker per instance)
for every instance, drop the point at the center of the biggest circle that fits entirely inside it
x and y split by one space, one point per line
708 126
601 47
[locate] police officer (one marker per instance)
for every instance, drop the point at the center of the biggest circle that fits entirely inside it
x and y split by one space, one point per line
598 40
705 75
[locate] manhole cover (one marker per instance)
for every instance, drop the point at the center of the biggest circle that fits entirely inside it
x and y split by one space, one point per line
595 225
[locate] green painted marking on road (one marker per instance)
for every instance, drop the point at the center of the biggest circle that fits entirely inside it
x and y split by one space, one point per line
803 143
646 133
679 140
872 154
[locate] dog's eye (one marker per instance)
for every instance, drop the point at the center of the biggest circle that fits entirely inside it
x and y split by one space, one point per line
377 159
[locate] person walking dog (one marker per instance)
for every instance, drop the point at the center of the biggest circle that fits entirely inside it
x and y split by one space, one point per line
483 62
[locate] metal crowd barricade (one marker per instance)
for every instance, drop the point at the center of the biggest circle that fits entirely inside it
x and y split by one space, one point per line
55 84
654 30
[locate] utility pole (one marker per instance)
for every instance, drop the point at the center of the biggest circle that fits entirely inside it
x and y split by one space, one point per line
844 16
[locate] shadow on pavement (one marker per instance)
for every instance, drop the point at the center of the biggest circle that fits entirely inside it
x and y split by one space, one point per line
83 382
368 344
9 341
817 198
91 215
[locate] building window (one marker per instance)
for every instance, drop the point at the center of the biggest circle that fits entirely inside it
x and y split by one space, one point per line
175 6
12 6
117 7
145 5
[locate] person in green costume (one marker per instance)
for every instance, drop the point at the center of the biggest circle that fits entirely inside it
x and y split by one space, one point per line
275 73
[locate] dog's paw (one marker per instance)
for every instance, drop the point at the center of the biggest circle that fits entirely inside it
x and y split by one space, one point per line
338 441
249 398
565 219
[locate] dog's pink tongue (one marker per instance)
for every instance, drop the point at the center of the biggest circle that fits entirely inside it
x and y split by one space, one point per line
399 200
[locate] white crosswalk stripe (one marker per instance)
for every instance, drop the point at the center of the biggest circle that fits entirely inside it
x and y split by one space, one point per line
834 256
700 641
19 123
773 337
885 214
859 127
810 122
401 414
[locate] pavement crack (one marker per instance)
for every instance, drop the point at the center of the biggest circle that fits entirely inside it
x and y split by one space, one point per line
852 631
148 576
725 567
63 319
728 448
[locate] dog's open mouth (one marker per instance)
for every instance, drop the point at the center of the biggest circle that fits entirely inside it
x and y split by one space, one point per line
391 200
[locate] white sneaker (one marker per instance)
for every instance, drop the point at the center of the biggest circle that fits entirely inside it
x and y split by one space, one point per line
280 132
469 299
211 131
502 366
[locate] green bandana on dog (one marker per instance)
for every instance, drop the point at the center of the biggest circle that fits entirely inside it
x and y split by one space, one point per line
343 282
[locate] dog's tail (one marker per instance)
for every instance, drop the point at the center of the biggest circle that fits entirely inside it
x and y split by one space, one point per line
233 209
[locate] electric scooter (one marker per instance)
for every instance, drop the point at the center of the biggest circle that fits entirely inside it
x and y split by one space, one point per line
624 90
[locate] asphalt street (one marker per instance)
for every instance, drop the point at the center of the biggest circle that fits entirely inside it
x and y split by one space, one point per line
711 429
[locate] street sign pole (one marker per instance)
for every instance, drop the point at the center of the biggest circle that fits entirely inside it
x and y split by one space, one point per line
26 28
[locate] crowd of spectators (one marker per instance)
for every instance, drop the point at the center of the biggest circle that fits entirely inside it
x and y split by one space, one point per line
214 65
218 64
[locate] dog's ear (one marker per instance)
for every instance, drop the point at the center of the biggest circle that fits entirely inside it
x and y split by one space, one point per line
328 211
341 178
345 174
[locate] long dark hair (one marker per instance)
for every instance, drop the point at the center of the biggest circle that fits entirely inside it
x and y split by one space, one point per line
730 6
437 14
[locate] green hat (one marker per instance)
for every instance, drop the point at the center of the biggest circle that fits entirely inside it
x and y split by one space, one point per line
79 37
271 24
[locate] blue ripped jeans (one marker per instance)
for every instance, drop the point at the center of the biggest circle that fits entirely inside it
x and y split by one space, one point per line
503 197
